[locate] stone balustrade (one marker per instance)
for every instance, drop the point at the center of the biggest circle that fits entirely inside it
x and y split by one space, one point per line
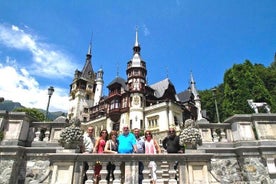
240 150
127 167
46 133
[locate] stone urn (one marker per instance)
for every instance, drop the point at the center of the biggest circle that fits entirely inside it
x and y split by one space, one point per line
71 137
190 136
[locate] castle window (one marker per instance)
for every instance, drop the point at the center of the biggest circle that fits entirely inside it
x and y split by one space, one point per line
175 121
136 72
153 122
124 105
85 110
141 124
130 124
115 104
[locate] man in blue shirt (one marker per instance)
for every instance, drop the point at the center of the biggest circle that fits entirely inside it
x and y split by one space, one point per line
126 141
126 144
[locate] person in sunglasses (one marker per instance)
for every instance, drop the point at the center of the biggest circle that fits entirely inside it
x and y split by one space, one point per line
151 147
99 148
171 144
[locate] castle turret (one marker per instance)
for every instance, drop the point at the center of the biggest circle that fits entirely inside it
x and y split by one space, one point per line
136 82
81 95
99 87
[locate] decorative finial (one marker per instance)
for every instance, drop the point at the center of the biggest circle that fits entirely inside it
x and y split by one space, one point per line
90 45
136 38
117 72
192 78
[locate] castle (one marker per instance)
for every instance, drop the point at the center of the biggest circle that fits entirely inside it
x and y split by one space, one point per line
132 101
242 149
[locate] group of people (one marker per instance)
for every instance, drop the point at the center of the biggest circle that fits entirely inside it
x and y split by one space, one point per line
128 142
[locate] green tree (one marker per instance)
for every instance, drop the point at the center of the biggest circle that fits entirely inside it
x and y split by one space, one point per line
241 83
34 113
268 76
208 102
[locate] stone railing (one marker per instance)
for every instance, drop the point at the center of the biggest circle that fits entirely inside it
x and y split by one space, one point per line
215 132
127 167
46 133
242 152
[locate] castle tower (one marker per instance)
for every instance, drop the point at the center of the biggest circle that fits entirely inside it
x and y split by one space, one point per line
136 82
82 89
99 87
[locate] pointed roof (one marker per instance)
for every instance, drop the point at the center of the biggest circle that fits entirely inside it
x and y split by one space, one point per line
87 70
136 48
185 96
118 80
160 87
193 88
136 59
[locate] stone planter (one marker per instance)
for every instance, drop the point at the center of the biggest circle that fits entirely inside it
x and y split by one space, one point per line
74 147
190 145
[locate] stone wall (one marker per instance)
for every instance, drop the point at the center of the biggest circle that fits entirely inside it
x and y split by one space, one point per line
240 150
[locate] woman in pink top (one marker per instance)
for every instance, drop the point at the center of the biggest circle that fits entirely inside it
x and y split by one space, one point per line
151 147
99 148
100 142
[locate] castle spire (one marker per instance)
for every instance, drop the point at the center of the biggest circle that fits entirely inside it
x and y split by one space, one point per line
136 48
196 97
193 88
136 38
87 70
89 49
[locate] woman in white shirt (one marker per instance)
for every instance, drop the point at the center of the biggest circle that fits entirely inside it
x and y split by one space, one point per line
151 147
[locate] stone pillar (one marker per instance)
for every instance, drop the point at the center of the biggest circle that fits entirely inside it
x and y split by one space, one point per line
131 172
11 163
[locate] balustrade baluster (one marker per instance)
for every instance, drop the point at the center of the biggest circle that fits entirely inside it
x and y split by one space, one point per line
172 173
159 172
46 138
37 135
103 173
117 173
215 136
146 172
90 173
223 136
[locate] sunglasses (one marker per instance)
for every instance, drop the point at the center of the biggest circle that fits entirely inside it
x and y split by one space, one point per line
171 131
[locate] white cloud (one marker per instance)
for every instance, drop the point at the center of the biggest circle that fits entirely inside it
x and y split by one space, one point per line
20 79
145 30
47 61
23 88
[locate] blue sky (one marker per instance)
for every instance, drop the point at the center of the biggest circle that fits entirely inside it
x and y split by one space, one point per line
42 43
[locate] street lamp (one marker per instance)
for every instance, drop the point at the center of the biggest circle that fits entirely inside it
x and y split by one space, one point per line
50 93
216 105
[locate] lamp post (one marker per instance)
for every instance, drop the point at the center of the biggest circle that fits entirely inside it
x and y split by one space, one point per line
216 105
50 93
